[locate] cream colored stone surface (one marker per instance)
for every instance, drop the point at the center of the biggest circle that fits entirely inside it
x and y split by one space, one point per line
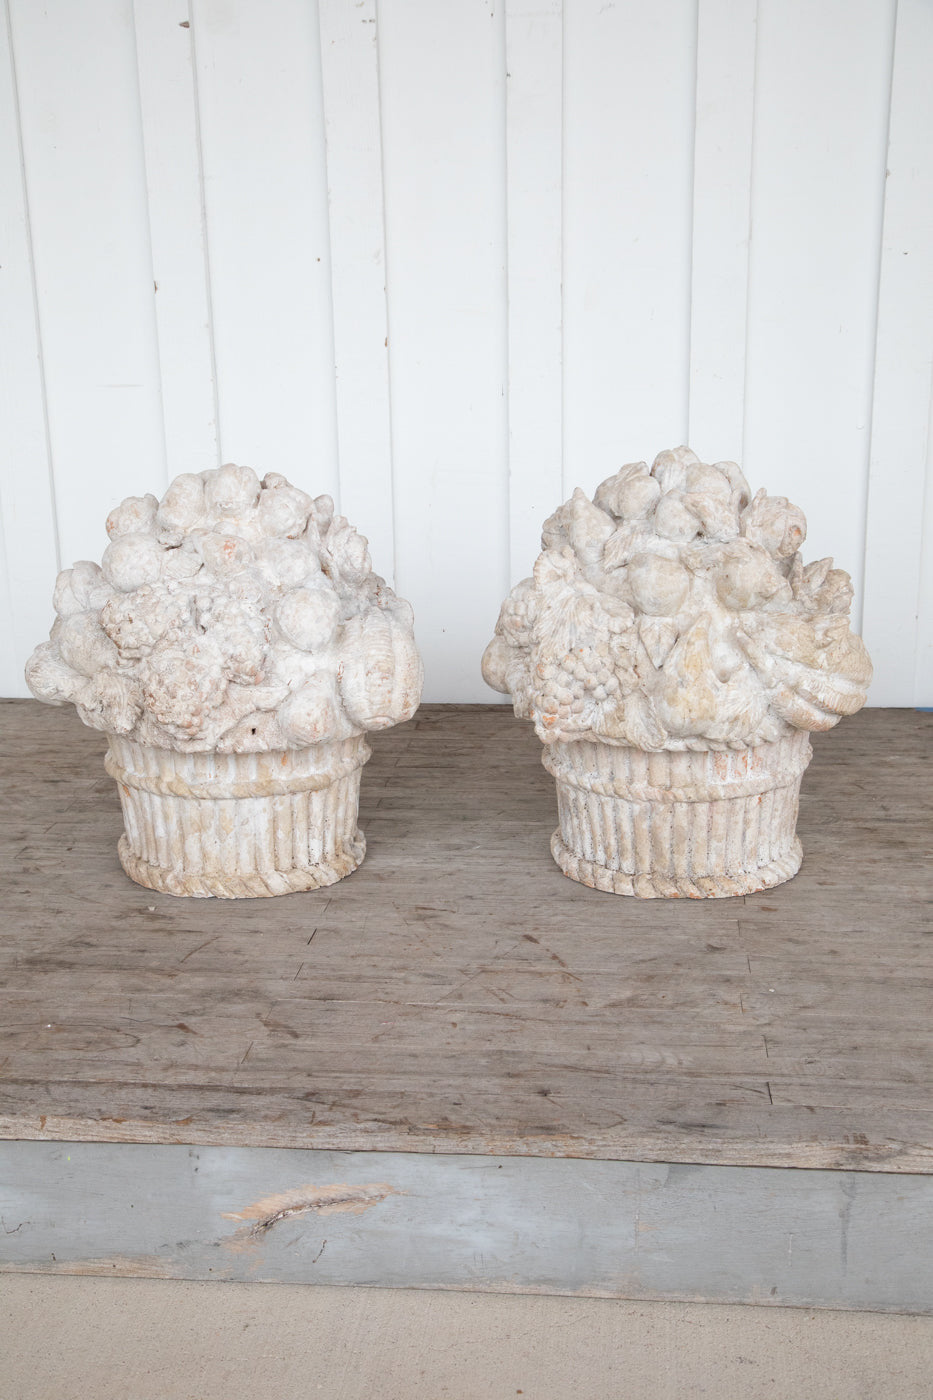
673 651
236 646
69 1338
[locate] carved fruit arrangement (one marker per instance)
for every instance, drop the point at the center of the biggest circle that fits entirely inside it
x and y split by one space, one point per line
234 614
675 611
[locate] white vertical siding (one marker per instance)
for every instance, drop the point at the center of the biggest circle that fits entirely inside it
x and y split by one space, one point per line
534 156
629 102
450 261
172 152
443 82
353 126
86 190
27 505
898 616
265 194
821 105
722 190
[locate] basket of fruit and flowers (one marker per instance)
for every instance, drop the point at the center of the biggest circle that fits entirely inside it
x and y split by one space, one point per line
674 653
235 646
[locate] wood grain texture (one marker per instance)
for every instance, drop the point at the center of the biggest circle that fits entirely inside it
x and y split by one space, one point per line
457 993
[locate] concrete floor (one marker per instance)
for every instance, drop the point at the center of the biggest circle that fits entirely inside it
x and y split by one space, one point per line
148 1339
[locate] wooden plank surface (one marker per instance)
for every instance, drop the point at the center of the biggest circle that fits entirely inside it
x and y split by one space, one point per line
457 993
81 131
264 181
442 98
816 215
534 152
352 125
898 619
722 188
28 530
627 231
171 149
498 1224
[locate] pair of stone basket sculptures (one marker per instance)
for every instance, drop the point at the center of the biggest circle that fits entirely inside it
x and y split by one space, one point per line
671 648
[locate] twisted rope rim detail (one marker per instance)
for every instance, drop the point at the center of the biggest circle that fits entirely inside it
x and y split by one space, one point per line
258 885
644 886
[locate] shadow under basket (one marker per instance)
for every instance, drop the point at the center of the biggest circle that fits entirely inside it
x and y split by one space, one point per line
667 825
239 825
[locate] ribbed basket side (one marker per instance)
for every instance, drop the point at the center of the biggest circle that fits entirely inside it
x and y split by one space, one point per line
669 824
239 825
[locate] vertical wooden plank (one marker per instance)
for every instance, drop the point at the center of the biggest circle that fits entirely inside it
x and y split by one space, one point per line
350 72
27 509
923 669
168 102
534 49
442 71
722 172
823 82
900 440
85 176
629 77
265 190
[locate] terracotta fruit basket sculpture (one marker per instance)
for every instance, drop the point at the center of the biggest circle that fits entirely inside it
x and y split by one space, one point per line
236 647
674 652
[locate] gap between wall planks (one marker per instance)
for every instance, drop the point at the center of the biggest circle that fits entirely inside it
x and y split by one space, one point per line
458 994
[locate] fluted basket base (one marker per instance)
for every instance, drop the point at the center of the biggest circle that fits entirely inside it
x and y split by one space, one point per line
239 826
703 825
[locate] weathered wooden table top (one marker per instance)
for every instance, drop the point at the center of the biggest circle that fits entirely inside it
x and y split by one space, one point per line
458 994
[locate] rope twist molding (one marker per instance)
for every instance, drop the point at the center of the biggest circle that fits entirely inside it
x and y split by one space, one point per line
257 885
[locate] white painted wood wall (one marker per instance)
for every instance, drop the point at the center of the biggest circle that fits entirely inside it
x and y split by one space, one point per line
449 259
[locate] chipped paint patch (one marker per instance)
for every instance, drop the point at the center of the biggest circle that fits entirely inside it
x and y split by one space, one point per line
304 1200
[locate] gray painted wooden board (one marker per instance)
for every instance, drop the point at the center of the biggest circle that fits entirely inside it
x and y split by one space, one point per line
620 1229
